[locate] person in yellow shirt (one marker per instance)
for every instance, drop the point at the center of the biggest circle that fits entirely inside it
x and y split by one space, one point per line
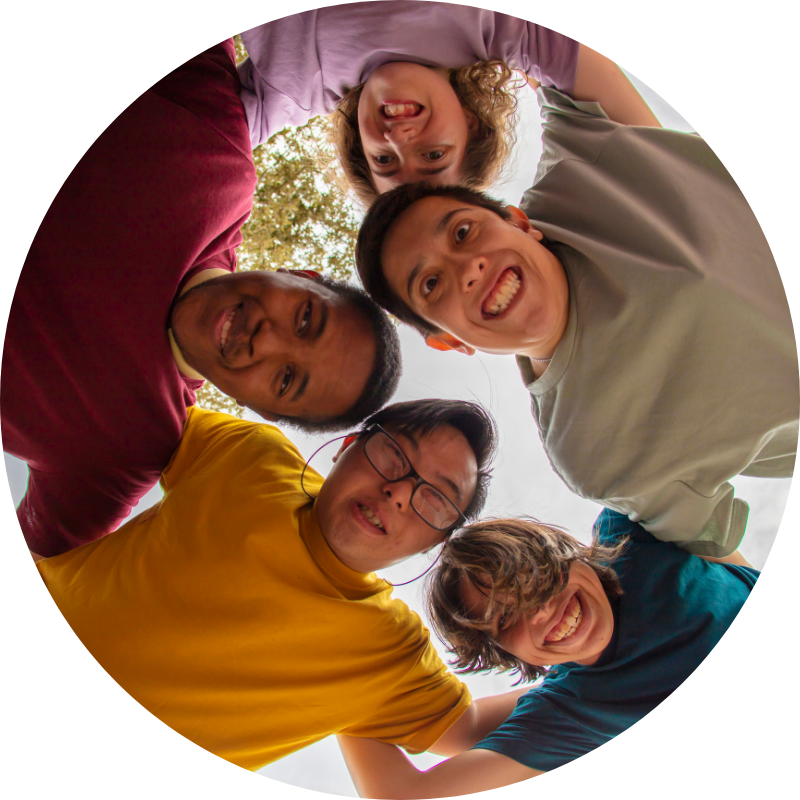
248 617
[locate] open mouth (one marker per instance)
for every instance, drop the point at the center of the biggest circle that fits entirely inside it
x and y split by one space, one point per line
226 329
372 518
569 623
402 110
503 293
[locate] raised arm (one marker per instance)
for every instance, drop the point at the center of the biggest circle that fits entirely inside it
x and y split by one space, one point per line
382 770
302 65
601 80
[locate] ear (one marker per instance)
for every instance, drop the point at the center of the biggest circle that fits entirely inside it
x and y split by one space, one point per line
348 440
301 273
519 219
445 341
473 123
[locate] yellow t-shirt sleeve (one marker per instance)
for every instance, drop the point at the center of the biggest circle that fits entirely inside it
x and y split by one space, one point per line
420 708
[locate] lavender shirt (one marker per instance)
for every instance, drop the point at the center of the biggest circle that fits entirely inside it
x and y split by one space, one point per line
301 66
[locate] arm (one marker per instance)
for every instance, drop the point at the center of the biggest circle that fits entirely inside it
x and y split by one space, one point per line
603 81
382 770
734 558
478 721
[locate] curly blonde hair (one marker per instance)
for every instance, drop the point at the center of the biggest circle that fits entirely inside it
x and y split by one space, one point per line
518 564
487 89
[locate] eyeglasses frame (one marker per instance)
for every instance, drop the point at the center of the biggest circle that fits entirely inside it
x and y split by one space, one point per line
412 473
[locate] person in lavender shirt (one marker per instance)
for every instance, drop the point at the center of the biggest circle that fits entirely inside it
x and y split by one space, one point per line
418 90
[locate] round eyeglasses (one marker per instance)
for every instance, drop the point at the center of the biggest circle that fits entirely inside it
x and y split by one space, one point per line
392 464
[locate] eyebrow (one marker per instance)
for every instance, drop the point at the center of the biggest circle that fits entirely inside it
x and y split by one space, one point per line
323 321
301 389
440 228
439 477
431 171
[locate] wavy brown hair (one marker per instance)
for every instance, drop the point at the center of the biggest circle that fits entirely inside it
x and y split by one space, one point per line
486 89
518 564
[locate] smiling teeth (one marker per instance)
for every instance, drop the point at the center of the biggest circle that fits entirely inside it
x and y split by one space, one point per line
226 328
401 109
504 294
373 518
569 624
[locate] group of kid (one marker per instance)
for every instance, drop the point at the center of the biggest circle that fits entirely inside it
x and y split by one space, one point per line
633 285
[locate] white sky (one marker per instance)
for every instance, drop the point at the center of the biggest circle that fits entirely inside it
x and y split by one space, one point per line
523 481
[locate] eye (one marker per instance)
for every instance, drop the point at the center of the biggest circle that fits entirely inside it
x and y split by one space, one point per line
305 321
286 382
462 231
435 155
383 160
428 285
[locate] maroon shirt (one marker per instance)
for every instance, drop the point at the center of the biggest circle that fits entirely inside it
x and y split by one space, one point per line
91 397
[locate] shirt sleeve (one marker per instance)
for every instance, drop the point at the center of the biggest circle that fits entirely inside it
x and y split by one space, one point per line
300 66
52 523
705 526
420 707
208 86
547 730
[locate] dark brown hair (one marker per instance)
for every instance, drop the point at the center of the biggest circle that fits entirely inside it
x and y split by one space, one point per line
518 564
486 89
375 227
472 420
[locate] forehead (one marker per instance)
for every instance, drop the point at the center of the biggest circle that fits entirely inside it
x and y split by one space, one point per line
420 232
443 457
475 601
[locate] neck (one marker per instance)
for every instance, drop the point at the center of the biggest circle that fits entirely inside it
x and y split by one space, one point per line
546 348
196 280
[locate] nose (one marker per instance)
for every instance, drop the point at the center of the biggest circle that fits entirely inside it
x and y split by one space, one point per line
471 271
269 339
399 493
400 134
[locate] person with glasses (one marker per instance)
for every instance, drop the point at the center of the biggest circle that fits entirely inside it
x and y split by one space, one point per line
243 610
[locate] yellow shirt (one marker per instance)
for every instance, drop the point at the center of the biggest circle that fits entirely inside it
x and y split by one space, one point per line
223 611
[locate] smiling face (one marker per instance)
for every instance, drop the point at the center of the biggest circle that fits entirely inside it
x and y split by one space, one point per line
484 281
281 344
412 126
368 521
574 625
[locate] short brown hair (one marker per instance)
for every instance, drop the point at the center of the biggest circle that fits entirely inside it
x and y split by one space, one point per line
520 560
486 89
376 226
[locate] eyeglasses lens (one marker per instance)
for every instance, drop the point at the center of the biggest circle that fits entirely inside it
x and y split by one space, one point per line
390 461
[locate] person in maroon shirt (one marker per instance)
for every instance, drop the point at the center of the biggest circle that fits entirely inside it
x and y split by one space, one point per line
128 299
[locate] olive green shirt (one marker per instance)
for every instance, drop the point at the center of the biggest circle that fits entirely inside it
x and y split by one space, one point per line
678 369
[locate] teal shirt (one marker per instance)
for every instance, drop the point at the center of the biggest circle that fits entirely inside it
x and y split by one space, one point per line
675 607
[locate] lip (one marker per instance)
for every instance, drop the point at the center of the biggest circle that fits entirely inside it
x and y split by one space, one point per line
217 327
364 523
387 120
487 294
583 625
385 117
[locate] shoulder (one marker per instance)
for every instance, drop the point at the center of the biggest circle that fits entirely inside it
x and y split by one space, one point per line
216 441
612 526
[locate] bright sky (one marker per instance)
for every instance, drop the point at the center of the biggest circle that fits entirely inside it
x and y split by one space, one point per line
523 481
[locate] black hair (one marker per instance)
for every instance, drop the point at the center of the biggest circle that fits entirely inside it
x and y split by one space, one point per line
472 420
383 213
386 366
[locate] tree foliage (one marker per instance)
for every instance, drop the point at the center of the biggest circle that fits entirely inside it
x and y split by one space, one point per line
300 218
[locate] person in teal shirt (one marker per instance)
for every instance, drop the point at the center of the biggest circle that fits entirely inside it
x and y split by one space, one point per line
518 595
